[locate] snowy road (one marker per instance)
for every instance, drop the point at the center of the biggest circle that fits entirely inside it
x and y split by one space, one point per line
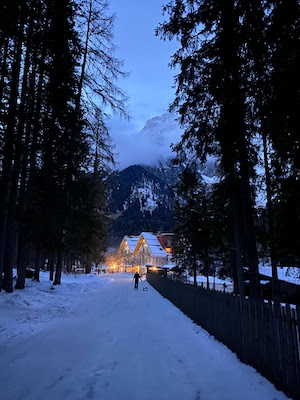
126 344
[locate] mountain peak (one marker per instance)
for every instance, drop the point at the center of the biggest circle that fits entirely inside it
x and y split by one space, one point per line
162 130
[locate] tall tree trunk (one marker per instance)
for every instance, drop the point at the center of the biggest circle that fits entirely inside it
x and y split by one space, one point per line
37 264
10 253
24 172
234 115
9 146
195 271
69 264
36 119
12 227
275 294
51 265
8 258
237 232
248 223
58 271
234 273
21 266
89 261
207 274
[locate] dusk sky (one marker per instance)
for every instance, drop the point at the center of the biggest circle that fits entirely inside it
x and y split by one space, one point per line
146 58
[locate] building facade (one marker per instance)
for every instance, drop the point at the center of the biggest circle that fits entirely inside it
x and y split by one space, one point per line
136 253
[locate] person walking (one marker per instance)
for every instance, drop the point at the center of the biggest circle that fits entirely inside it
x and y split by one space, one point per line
136 280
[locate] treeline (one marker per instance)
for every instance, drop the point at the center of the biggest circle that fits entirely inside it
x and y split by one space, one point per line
237 94
57 79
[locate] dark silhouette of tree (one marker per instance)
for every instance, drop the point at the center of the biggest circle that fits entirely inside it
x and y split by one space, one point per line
53 133
193 224
211 101
283 33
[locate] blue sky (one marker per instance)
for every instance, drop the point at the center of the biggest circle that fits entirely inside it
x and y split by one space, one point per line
146 58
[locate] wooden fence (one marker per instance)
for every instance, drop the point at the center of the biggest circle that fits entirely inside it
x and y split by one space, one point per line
263 335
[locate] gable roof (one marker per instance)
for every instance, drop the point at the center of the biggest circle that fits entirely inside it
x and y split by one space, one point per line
153 244
131 241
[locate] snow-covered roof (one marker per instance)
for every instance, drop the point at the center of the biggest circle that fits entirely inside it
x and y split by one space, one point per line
132 242
168 266
154 244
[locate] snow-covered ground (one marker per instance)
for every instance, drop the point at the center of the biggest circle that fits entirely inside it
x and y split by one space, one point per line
219 283
101 339
202 278
25 312
288 274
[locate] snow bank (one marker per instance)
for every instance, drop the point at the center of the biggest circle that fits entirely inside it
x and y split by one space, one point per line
41 303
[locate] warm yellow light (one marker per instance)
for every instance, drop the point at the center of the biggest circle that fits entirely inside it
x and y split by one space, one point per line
154 268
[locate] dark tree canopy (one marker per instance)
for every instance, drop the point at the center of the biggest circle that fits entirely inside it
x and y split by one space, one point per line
54 143
237 63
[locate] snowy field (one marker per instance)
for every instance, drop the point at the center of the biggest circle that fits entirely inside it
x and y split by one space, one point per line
98 338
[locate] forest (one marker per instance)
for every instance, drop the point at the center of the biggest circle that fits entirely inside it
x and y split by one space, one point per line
58 77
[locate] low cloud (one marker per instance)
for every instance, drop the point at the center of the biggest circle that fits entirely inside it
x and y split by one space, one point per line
132 147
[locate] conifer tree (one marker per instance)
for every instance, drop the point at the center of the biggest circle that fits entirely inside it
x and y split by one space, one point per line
283 34
193 224
256 57
211 101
